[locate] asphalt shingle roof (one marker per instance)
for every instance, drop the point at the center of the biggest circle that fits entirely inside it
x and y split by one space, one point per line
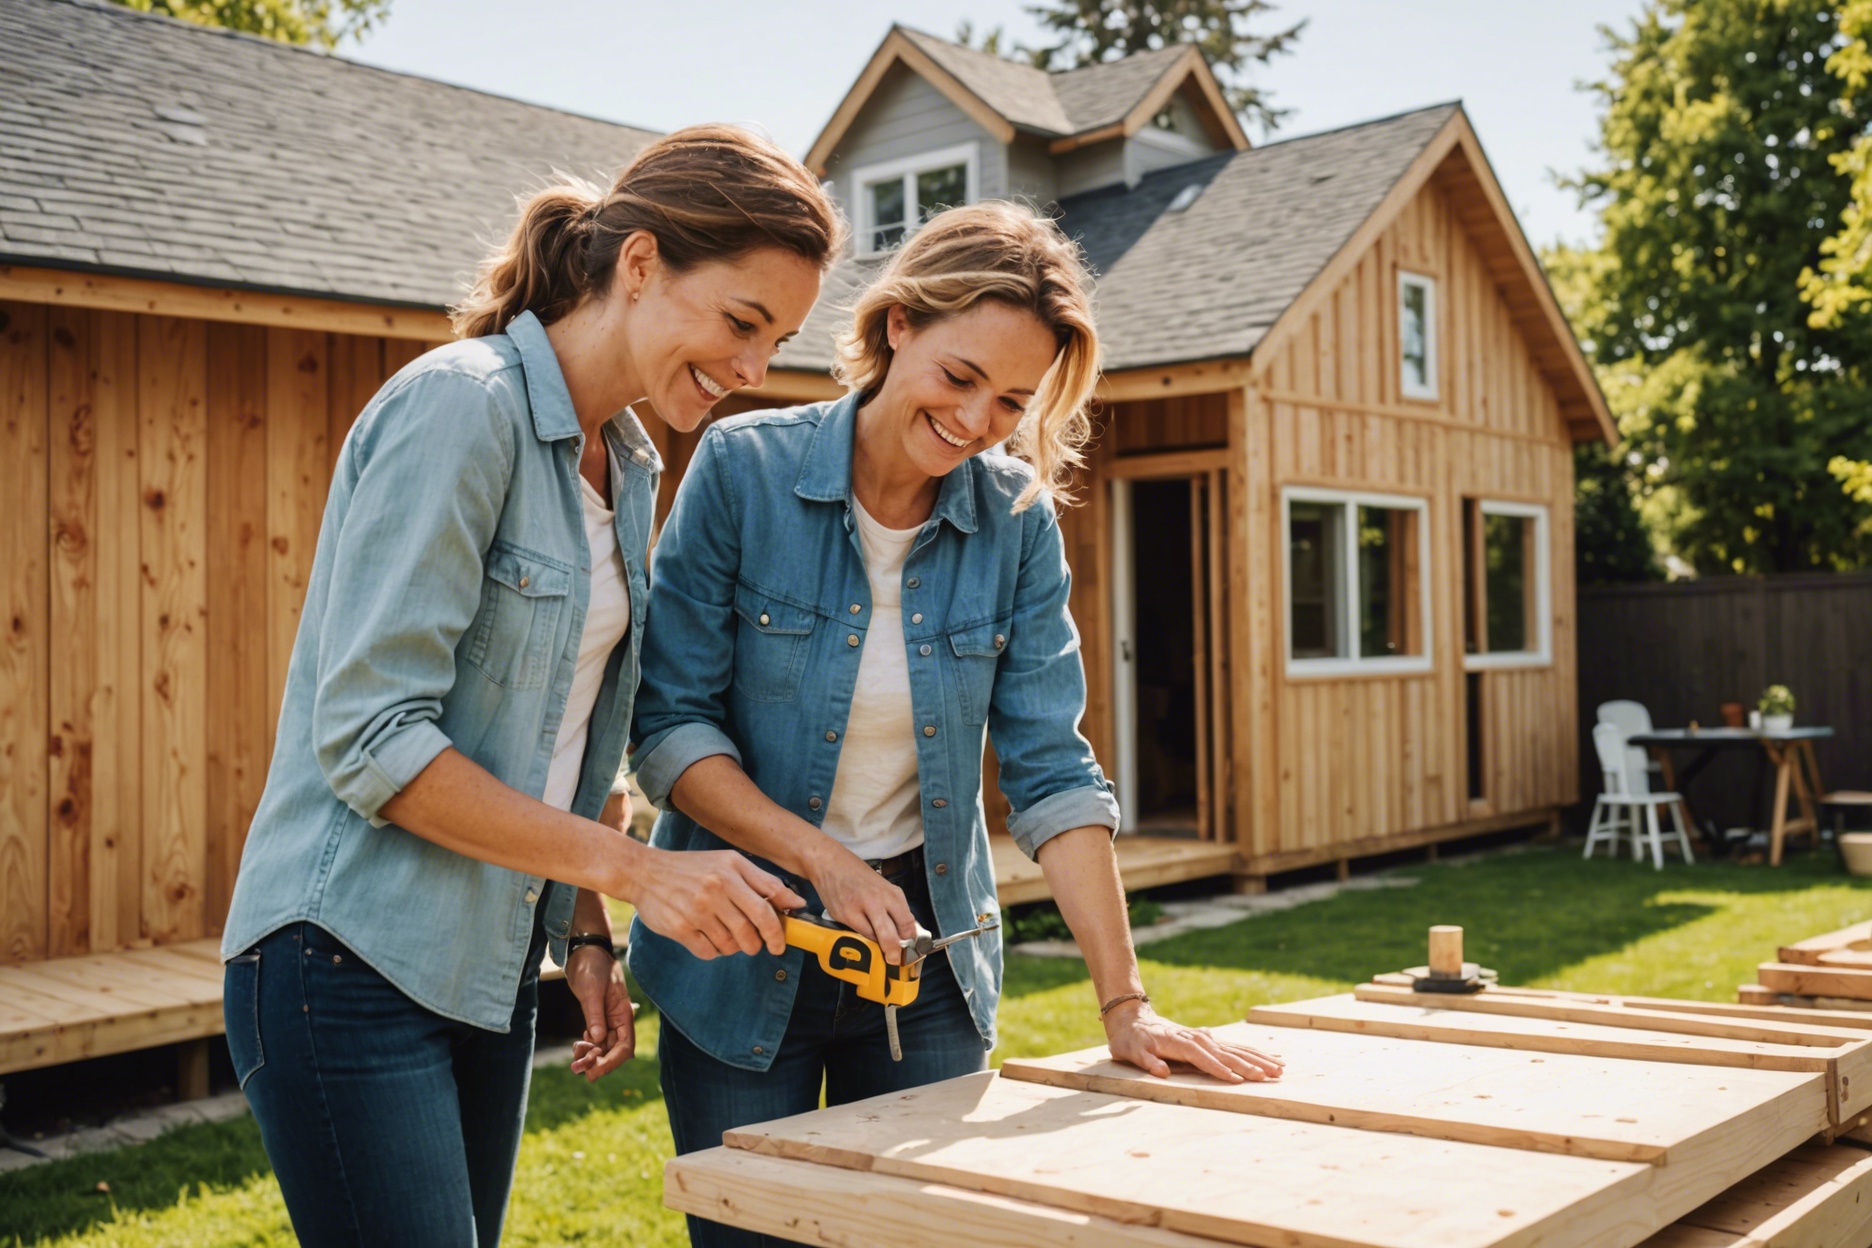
139 144
1054 104
1206 282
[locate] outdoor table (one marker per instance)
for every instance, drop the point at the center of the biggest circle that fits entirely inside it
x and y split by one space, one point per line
1789 750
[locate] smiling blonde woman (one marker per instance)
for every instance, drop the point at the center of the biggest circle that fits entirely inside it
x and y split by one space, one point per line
850 596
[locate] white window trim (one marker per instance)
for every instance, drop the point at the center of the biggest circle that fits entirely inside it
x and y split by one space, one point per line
1542 656
1348 564
967 155
1406 385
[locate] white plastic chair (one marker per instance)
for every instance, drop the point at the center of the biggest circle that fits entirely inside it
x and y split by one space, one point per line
1627 791
1631 718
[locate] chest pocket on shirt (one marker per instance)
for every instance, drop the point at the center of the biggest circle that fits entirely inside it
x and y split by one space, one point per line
523 595
977 650
770 646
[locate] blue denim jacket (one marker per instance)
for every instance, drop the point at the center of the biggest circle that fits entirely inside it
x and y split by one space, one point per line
757 620
445 606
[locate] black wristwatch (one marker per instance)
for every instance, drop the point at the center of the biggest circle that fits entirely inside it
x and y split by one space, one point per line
598 939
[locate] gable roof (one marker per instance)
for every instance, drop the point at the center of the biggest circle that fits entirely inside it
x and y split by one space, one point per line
137 144
1067 108
1268 230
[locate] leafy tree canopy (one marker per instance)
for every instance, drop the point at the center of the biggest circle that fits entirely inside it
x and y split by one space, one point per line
1088 32
322 24
1720 146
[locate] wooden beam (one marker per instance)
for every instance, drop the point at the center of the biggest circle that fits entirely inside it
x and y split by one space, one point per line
1172 380
211 303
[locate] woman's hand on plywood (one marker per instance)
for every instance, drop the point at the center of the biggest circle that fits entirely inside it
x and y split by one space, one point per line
1136 1034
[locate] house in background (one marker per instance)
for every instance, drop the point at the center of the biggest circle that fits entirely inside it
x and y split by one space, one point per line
1322 569
1323 566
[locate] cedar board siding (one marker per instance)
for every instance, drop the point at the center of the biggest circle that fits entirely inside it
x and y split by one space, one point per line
905 118
1329 762
165 478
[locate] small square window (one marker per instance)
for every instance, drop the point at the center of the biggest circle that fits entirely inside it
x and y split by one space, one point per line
1505 581
1417 338
894 199
1356 583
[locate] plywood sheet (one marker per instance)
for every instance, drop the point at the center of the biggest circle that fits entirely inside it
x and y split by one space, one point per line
1819 1196
1543 1102
1232 1177
806 1203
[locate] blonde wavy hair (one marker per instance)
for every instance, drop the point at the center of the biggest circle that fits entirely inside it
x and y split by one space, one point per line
1011 254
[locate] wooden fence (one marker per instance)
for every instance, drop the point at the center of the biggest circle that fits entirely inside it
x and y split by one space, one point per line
1685 648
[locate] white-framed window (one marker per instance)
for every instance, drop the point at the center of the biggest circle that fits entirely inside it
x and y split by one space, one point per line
1357 576
893 199
1508 585
1417 336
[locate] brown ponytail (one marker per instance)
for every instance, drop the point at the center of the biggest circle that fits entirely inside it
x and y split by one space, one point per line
704 193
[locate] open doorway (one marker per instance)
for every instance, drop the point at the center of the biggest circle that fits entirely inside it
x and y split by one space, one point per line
1165 531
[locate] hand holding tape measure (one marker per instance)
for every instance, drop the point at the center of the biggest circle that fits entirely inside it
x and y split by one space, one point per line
859 960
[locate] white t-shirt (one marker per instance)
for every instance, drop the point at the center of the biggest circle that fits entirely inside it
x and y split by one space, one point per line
607 619
876 807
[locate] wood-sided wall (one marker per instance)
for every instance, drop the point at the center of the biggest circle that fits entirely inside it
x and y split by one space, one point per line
1333 766
1318 768
163 480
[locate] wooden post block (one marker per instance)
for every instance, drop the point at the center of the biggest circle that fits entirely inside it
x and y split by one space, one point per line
1445 950
191 1070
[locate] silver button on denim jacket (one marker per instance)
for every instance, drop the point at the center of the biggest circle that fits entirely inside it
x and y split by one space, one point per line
750 653
445 606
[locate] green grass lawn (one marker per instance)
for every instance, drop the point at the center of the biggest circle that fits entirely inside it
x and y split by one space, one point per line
591 1164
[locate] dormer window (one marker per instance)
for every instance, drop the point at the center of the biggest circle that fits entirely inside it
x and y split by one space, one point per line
894 199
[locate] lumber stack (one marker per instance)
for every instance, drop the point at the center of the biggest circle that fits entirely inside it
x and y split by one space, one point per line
1406 1119
1832 971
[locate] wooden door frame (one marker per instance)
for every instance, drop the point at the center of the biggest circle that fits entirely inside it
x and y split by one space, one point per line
1210 468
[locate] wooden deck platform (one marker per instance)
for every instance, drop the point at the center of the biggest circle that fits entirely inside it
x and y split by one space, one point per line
69 1009
1143 862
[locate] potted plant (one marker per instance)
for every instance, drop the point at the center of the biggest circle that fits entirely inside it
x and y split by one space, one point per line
1777 708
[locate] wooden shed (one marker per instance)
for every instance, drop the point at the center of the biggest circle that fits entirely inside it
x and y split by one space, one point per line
213 250
1323 565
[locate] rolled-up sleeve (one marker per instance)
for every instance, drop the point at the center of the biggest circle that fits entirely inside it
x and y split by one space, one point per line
689 634
1048 773
423 484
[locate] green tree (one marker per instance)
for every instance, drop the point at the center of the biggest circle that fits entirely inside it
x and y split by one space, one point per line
1716 186
1091 31
321 24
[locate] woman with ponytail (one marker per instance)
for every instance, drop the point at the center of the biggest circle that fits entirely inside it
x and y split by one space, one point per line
850 597
445 802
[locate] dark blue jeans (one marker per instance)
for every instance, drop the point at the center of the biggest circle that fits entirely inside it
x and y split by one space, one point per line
386 1123
834 1040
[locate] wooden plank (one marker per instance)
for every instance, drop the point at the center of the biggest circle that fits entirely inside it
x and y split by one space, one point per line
209 303
1347 1013
72 632
1814 950
172 368
1815 981
1228 1176
298 467
25 643
1554 1103
241 713
116 693
800 1202
1819 1196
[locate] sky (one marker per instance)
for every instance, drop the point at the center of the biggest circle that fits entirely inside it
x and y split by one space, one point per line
784 65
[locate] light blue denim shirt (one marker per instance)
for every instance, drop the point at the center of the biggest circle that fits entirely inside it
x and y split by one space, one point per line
757 620
445 607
